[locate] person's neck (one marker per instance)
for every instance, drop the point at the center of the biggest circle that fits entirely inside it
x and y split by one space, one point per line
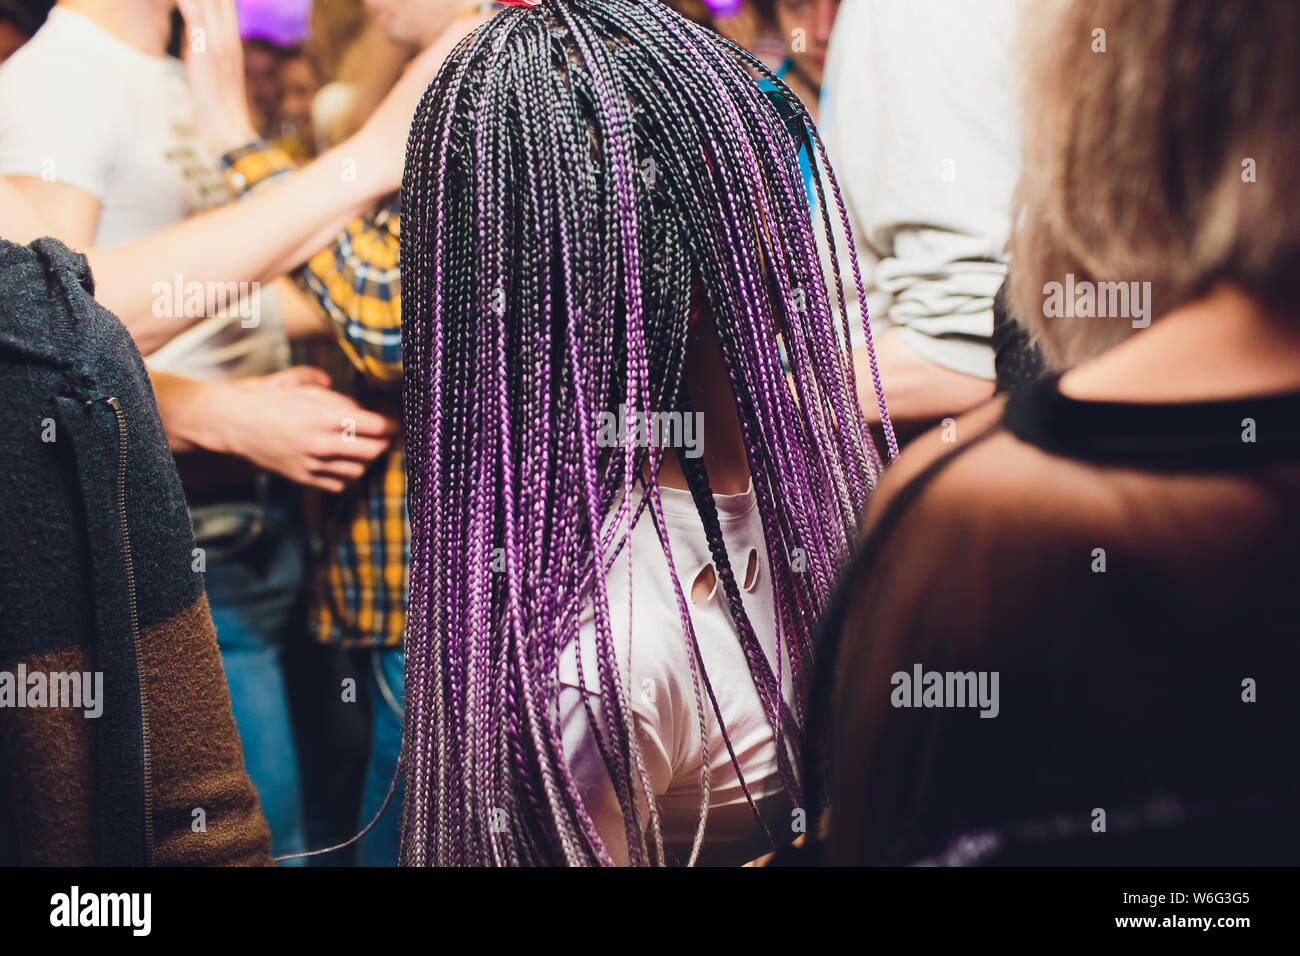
143 25
721 443
1224 345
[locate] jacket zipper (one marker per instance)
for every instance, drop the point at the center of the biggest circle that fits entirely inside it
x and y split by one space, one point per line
120 415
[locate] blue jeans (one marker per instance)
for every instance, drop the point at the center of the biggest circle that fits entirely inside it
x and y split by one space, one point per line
256 568
379 847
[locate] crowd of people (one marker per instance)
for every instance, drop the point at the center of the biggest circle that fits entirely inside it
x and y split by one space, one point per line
317 319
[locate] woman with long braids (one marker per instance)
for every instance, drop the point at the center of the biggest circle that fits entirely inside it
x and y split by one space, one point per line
636 462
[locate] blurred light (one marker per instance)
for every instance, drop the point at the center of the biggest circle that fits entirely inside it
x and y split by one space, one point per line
724 8
282 22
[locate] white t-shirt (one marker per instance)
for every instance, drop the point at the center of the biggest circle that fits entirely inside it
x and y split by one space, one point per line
918 114
656 670
78 106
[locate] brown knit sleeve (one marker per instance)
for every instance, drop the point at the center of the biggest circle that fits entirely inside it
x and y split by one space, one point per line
205 809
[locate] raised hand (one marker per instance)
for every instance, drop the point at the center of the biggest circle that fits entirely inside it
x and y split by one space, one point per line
379 147
214 68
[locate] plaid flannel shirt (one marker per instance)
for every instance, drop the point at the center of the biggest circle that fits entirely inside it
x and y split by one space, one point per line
360 585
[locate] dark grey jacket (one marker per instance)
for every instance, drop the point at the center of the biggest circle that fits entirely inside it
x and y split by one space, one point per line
96 576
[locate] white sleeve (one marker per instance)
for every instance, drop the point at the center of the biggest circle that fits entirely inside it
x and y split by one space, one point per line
878 300
928 168
56 124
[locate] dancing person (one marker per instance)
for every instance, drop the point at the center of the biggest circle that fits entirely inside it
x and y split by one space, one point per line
300 81
927 167
746 22
111 157
264 81
117 742
805 26
625 513
801 66
234 246
358 593
1118 543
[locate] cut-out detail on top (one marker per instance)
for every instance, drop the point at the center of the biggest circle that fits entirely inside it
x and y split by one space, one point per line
705 584
751 570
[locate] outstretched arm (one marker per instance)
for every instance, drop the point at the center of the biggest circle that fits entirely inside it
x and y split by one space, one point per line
252 241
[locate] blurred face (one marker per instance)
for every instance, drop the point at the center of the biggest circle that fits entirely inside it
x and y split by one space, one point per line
262 81
299 83
415 22
806 26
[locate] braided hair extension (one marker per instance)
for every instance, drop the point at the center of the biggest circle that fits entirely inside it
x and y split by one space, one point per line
581 177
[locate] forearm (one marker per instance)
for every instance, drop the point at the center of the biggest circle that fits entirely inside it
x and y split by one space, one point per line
254 240
919 392
185 406
317 241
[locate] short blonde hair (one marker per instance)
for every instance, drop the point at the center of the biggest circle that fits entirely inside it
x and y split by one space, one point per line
1161 145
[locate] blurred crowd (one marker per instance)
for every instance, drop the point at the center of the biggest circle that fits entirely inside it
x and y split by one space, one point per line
231 172
300 537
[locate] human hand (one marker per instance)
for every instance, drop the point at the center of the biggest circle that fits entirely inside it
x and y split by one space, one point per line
291 423
214 70
379 147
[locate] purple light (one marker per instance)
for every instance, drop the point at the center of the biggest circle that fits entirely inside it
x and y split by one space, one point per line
282 22
724 8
